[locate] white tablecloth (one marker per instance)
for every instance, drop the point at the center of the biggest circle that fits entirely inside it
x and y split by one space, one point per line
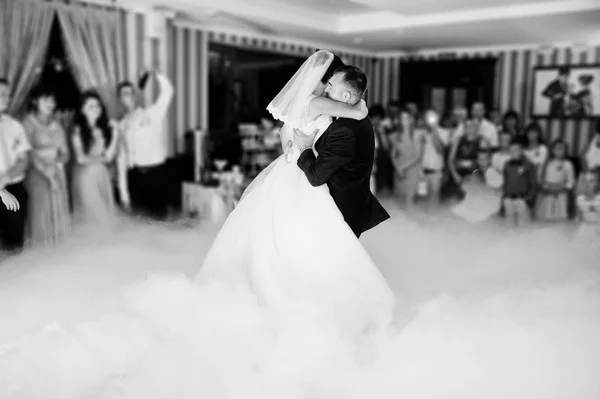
204 202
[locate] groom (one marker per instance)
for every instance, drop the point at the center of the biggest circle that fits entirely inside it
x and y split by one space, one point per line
346 151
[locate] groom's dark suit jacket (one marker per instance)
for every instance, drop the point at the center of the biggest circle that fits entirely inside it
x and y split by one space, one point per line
346 151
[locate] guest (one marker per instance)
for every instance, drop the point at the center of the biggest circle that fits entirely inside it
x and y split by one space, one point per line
383 165
407 147
391 122
459 117
464 152
482 192
487 129
413 109
511 123
10 201
591 155
496 119
588 208
500 158
503 154
588 199
94 142
142 174
49 216
519 187
536 151
14 159
437 140
372 180
557 179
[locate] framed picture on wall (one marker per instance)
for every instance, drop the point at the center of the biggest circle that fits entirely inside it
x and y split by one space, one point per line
566 91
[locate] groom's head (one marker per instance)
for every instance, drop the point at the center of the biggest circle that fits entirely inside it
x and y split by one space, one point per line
347 85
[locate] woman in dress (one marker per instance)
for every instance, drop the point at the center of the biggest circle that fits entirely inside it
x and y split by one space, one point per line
511 123
407 148
293 249
94 142
591 154
49 217
557 179
588 207
536 151
462 161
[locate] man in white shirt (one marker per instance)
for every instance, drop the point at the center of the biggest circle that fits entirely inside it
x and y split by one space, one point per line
14 159
502 155
459 116
142 174
436 143
485 128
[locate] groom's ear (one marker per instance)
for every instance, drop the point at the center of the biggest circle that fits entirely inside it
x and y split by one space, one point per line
347 96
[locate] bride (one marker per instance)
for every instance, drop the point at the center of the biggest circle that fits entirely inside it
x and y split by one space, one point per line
286 241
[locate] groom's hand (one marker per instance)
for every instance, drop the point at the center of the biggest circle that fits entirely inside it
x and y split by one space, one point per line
304 141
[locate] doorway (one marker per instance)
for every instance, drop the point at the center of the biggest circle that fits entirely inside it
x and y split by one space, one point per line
445 84
242 83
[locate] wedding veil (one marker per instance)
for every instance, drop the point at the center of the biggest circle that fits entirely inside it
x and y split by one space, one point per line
289 105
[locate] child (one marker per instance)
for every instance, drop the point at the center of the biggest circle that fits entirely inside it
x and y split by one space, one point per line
518 187
557 179
482 192
9 200
502 156
588 206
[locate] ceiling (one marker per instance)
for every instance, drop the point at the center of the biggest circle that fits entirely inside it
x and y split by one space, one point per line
387 26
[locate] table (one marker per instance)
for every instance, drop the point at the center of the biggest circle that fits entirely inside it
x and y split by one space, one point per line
207 203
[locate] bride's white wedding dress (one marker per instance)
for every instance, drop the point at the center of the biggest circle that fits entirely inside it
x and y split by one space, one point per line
288 243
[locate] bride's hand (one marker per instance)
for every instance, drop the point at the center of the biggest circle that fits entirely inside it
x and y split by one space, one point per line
9 200
362 107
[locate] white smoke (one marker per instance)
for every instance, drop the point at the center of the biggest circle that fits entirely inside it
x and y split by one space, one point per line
482 313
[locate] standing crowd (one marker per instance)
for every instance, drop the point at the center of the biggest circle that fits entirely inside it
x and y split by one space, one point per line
56 175
462 157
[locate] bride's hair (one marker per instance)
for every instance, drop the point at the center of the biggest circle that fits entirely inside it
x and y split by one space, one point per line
335 64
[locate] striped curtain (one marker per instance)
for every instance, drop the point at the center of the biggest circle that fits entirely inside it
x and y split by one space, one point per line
24 30
93 41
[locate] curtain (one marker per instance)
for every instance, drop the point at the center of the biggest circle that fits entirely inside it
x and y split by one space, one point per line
24 31
92 39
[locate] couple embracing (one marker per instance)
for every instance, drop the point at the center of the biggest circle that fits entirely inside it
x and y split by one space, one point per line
293 238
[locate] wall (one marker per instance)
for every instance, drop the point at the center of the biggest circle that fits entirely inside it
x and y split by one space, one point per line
188 49
183 53
513 86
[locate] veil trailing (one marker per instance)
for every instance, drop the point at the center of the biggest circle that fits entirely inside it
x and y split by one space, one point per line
289 105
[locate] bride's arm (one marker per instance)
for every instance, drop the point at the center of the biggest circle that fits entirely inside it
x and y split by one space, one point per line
326 106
